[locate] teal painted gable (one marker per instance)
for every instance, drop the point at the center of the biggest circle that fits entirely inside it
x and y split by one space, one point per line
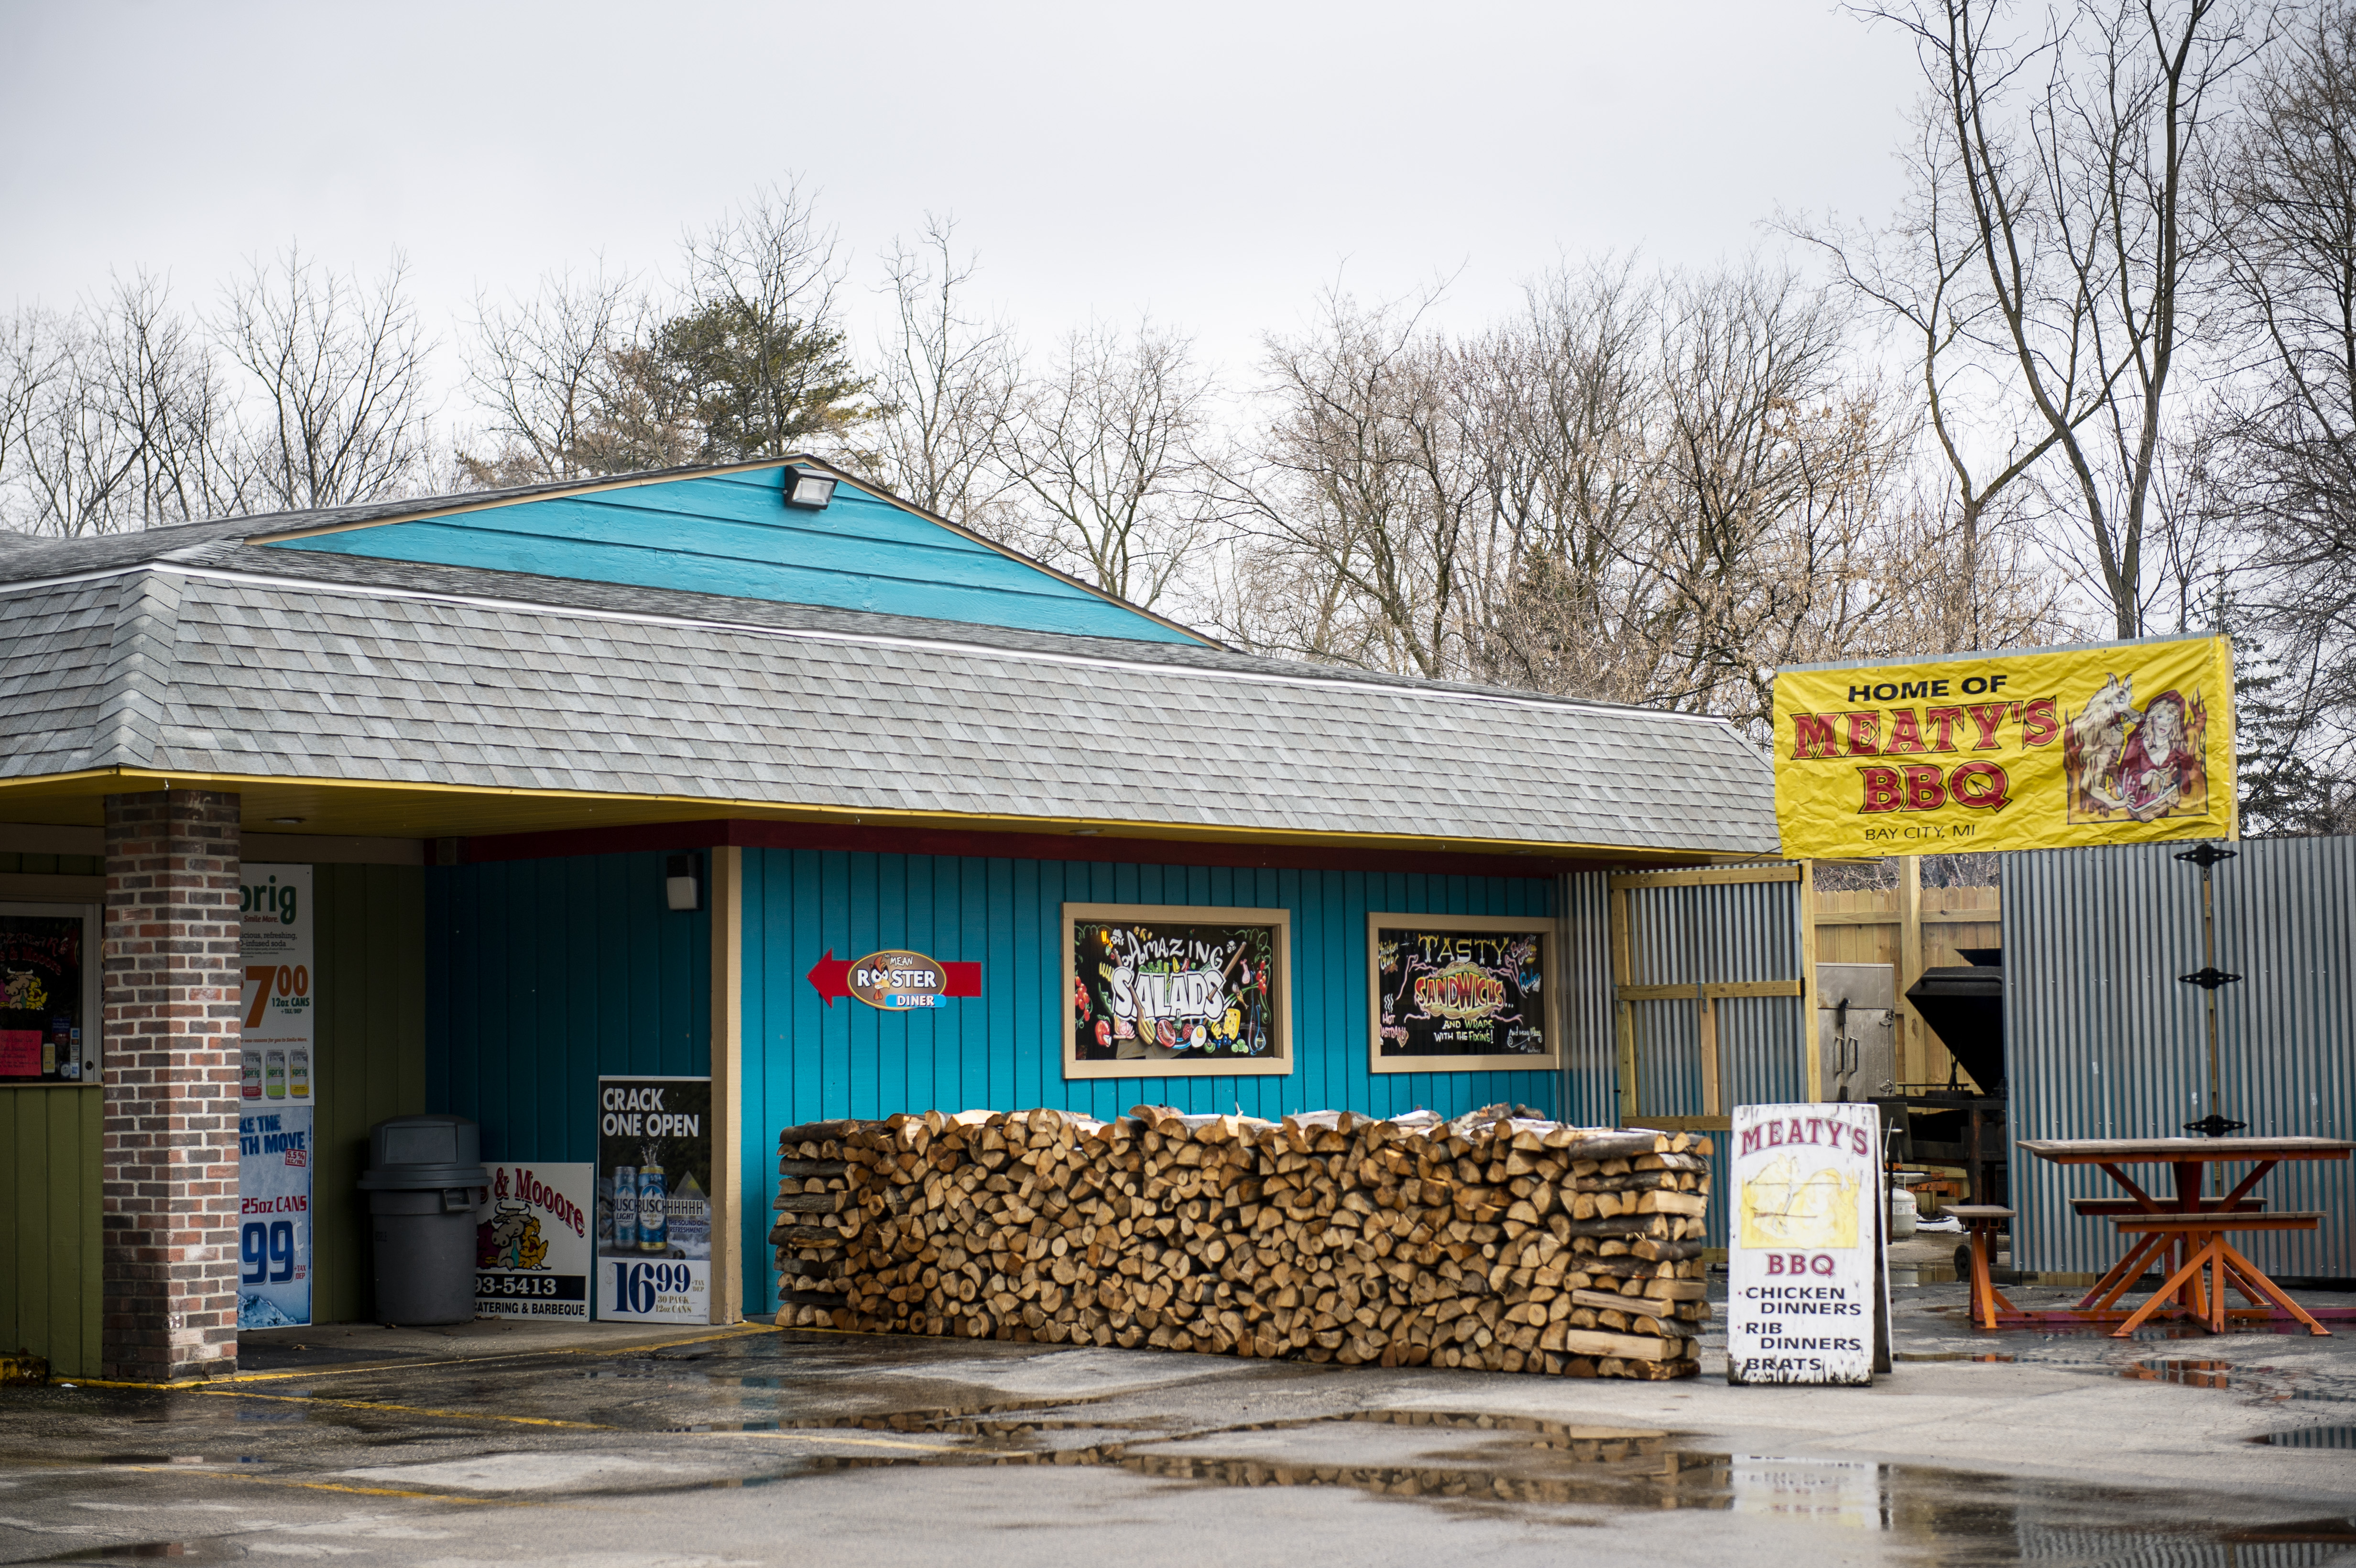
733 534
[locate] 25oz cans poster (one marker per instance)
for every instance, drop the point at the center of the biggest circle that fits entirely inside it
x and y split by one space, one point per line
278 1029
653 1204
1806 1298
531 1243
273 1238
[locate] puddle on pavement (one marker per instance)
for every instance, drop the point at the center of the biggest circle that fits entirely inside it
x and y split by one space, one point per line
1965 1518
183 1550
2311 1437
2191 1374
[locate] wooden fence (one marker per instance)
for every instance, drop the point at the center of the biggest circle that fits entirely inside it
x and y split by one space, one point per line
1914 928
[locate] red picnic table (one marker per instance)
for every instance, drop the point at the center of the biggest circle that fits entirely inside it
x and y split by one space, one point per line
2184 1231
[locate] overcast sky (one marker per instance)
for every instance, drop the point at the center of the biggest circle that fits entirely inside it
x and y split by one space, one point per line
1214 164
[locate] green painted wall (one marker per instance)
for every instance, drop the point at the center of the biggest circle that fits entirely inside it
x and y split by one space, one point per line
369 1064
50 1284
370 1061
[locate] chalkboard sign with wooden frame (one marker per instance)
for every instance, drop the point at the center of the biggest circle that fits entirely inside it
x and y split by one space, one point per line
1461 993
1176 990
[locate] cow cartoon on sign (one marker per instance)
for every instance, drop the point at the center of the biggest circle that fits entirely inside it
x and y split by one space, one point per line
2095 745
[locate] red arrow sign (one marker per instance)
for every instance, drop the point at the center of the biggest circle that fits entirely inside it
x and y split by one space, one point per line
830 977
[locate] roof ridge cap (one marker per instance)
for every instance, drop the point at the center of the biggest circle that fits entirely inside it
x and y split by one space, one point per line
139 669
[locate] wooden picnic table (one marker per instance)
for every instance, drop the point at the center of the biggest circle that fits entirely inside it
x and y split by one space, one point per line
2189 1228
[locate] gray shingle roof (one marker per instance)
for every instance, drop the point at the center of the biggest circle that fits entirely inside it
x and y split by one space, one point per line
194 660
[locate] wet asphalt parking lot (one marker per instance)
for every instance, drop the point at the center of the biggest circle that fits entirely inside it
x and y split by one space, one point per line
756 1446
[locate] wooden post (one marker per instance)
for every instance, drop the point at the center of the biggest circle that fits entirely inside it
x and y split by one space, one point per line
1913 1055
1713 1081
1624 1011
1808 979
727 895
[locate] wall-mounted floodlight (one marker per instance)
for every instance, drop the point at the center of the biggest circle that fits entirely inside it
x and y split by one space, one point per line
811 491
682 883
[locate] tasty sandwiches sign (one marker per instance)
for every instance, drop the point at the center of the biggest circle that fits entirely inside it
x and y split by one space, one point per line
1805 1290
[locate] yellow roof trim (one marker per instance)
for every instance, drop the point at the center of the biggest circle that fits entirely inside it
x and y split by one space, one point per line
421 810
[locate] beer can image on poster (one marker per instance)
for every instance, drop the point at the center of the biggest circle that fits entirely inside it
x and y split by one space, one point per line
653 1223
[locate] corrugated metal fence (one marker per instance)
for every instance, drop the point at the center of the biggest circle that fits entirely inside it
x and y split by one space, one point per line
2104 1040
1688 998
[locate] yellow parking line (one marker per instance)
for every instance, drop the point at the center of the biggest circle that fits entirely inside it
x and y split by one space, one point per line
325 1486
734 1331
407 1409
576 1425
853 1442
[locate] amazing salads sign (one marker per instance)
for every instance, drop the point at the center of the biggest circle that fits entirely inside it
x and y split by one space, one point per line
2111 745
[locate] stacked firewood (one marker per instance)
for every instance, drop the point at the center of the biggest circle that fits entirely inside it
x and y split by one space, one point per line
1498 1240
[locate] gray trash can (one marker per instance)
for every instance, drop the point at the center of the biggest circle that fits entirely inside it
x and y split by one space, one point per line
424 1182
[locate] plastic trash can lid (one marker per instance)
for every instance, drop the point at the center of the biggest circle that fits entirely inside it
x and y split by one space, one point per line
421 1153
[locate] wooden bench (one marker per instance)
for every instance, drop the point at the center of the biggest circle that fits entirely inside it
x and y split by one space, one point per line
1984 1221
2203 1235
2105 1207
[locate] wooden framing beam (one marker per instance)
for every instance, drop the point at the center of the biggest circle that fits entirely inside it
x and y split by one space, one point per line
727 902
1707 876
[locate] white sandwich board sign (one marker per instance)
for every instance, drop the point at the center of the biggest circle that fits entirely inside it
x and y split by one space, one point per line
1808 1298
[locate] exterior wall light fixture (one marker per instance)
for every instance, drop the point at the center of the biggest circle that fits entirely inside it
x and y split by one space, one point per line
682 883
811 492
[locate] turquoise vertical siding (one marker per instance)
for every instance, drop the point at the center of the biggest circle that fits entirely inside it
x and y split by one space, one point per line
803 1060
542 975
733 534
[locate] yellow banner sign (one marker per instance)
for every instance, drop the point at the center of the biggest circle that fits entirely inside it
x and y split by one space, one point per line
2110 744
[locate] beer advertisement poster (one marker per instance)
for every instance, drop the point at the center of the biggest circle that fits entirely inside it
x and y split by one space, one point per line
275 931
1806 1298
2039 749
273 1237
532 1242
653 1205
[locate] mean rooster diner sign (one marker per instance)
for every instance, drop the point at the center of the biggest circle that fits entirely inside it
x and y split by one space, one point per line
1806 1300
894 979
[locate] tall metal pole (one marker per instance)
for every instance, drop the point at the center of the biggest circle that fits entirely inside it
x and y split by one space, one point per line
2208 977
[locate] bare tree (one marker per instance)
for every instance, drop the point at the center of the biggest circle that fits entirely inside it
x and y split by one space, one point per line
339 382
118 417
2285 443
757 363
1364 479
549 370
1920 278
2068 154
1649 491
1101 451
1567 406
948 387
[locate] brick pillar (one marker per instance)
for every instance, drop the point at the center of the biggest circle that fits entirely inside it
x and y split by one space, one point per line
170 993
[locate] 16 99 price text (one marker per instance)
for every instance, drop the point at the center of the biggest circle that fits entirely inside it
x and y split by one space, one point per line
640 1287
